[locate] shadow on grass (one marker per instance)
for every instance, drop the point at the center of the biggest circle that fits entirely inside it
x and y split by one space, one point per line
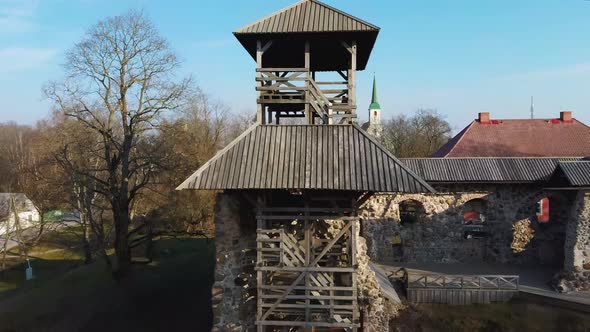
171 294
520 314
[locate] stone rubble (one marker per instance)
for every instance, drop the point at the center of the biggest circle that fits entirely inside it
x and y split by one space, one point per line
522 234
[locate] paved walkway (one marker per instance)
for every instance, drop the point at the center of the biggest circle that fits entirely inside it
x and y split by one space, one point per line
533 280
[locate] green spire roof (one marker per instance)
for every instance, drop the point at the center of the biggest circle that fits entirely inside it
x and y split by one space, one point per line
374 102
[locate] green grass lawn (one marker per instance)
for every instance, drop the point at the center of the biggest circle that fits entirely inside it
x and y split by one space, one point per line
515 316
170 294
55 254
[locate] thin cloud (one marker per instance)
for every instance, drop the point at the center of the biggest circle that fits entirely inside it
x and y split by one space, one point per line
568 71
17 16
15 59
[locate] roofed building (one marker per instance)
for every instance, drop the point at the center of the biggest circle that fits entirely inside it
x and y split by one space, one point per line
486 137
508 191
28 214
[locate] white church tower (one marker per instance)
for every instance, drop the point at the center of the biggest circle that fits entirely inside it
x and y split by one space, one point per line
373 127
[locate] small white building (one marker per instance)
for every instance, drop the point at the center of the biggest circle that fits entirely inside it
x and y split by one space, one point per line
28 214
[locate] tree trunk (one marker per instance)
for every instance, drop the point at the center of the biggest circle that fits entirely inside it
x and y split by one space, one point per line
121 218
6 239
86 242
85 223
149 248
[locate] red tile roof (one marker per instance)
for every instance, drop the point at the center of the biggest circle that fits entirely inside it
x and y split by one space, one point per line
520 138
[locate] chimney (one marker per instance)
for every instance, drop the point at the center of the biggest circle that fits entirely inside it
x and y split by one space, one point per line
484 117
565 116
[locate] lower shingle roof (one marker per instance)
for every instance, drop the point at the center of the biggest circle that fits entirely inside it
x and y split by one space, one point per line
577 173
326 157
485 170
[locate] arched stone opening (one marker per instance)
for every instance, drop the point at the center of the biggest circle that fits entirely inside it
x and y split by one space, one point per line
412 215
411 211
474 215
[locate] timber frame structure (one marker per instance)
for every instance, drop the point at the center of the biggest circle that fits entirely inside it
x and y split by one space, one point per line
295 44
306 262
294 92
299 186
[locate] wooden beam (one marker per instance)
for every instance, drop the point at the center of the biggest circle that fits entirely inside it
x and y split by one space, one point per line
354 233
260 106
308 235
352 78
266 46
295 70
304 217
280 299
306 324
259 275
307 65
331 244
346 46
305 269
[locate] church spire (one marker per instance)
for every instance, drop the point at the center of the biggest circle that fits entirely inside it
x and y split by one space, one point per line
374 124
374 100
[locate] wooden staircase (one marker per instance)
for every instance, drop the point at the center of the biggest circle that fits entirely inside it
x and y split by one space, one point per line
293 92
305 279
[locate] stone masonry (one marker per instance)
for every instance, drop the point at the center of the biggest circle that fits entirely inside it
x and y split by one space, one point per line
234 289
576 274
512 233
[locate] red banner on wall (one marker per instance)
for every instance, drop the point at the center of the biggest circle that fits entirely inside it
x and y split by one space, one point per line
543 210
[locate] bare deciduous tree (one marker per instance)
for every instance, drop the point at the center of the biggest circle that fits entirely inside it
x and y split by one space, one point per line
417 136
120 79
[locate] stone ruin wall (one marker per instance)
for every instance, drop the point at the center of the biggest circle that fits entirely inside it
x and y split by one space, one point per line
513 234
439 238
576 274
234 288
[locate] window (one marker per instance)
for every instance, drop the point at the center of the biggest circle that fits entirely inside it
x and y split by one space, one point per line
474 218
474 212
411 211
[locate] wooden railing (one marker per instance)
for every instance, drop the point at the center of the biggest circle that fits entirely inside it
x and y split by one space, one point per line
499 282
319 102
296 86
461 289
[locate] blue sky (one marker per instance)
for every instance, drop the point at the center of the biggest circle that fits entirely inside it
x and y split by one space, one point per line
458 56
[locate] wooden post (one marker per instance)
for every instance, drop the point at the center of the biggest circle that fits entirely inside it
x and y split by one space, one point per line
260 50
308 258
260 106
352 79
259 274
352 239
308 113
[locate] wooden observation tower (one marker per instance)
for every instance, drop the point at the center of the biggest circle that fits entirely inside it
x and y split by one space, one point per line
291 192
294 48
